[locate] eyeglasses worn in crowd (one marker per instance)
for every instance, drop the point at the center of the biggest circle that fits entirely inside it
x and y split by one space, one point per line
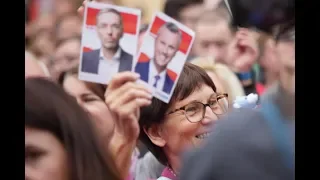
195 111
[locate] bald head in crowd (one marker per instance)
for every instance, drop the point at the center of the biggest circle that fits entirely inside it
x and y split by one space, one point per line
32 67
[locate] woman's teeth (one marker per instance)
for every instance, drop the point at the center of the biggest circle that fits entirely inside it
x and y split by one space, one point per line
203 136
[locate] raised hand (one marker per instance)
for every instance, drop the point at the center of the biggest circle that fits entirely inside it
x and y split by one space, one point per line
243 51
125 97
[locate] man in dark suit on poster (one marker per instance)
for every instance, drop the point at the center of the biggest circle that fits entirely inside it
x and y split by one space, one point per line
154 71
111 58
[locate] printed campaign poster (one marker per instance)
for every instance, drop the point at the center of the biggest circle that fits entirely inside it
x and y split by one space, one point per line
109 41
162 55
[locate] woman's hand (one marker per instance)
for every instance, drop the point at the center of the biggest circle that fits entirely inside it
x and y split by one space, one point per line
124 98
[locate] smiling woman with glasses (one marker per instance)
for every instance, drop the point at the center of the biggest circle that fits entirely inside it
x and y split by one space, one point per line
195 111
168 130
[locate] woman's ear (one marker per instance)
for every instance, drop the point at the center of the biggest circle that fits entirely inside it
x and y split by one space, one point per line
155 135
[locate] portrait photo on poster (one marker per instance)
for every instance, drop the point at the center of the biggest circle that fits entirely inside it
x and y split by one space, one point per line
109 41
162 55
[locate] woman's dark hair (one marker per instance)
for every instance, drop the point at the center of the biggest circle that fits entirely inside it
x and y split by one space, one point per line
191 79
49 108
98 89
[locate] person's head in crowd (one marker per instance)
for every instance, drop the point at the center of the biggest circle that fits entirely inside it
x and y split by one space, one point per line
184 11
109 28
68 26
224 79
213 34
285 54
45 22
167 44
90 96
42 45
142 32
64 7
169 129
33 67
66 56
269 66
60 140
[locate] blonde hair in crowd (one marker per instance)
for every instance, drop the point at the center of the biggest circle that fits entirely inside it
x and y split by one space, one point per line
229 80
30 57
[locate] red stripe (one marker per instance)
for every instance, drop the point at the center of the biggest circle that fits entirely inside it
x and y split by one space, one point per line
143 58
130 21
86 49
172 75
186 38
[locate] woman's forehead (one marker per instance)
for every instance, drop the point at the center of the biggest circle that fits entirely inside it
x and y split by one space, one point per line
200 94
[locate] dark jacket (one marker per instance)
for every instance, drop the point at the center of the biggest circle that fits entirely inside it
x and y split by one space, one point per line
90 61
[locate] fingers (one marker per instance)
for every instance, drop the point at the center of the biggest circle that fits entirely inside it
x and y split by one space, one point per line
128 86
81 8
131 95
121 78
129 110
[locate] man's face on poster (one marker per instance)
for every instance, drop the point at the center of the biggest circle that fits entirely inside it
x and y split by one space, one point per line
166 45
109 28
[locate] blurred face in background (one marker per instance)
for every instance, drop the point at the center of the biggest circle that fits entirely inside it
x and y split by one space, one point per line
109 28
69 26
87 96
212 39
166 45
285 52
268 59
189 15
63 7
45 156
66 56
42 45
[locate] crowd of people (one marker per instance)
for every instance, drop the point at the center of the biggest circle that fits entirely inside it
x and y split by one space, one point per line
83 130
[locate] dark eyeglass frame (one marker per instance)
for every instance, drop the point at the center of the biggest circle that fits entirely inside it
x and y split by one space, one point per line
183 108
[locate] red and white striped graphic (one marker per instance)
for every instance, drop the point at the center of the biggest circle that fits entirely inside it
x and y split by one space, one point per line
131 22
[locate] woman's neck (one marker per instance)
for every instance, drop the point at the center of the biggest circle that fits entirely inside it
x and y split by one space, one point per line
174 163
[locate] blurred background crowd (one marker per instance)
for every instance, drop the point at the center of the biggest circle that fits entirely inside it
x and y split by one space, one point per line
53 37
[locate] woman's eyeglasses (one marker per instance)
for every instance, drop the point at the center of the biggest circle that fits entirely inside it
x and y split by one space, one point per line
196 111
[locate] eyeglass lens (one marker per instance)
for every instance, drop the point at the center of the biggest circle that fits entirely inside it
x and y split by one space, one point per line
195 111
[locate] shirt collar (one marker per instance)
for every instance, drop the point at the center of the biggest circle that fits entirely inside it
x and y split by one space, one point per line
154 69
115 57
